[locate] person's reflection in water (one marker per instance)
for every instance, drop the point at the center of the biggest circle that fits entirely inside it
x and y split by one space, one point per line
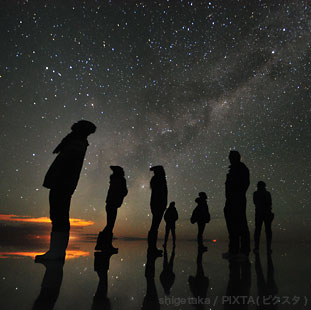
50 286
101 266
199 283
237 295
267 289
167 276
151 300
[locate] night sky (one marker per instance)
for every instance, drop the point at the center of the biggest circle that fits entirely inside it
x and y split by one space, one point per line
172 83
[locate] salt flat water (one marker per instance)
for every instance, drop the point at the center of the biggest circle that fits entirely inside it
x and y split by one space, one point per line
26 285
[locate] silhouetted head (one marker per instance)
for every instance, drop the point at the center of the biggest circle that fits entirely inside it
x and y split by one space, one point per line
83 127
234 157
198 200
117 170
203 195
172 204
158 170
261 185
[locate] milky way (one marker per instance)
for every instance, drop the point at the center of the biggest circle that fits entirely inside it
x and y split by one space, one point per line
176 83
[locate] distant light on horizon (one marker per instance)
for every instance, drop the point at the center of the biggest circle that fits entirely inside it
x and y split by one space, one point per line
70 254
24 218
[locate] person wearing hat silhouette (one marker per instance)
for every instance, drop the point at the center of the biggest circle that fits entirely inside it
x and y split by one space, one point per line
115 196
263 214
201 216
158 204
170 217
62 179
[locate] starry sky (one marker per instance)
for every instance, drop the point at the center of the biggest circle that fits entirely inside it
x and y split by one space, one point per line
173 83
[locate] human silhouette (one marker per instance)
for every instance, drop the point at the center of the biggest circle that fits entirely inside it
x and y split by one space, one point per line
170 217
263 214
267 288
151 300
50 286
158 204
199 283
239 284
116 193
237 183
62 179
201 216
167 276
101 266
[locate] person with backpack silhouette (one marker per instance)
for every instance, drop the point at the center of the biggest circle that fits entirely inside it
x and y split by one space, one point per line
201 216
116 193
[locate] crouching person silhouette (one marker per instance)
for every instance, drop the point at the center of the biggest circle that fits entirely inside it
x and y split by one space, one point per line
62 179
170 217
201 216
116 193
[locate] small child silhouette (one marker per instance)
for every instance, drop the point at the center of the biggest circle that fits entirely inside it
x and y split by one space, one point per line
170 217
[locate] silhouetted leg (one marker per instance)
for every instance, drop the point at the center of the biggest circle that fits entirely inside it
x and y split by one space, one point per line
227 218
59 214
201 227
111 218
59 210
234 222
153 233
234 239
268 234
245 237
104 239
232 230
173 234
246 276
167 231
258 225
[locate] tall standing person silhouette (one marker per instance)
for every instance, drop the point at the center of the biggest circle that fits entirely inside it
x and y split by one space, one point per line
62 179
158 204
237 183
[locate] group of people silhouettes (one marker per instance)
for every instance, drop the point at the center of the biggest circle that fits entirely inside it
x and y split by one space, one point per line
62 179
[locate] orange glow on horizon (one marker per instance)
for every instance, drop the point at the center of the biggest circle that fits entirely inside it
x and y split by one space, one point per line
28 219
70 254
214 240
